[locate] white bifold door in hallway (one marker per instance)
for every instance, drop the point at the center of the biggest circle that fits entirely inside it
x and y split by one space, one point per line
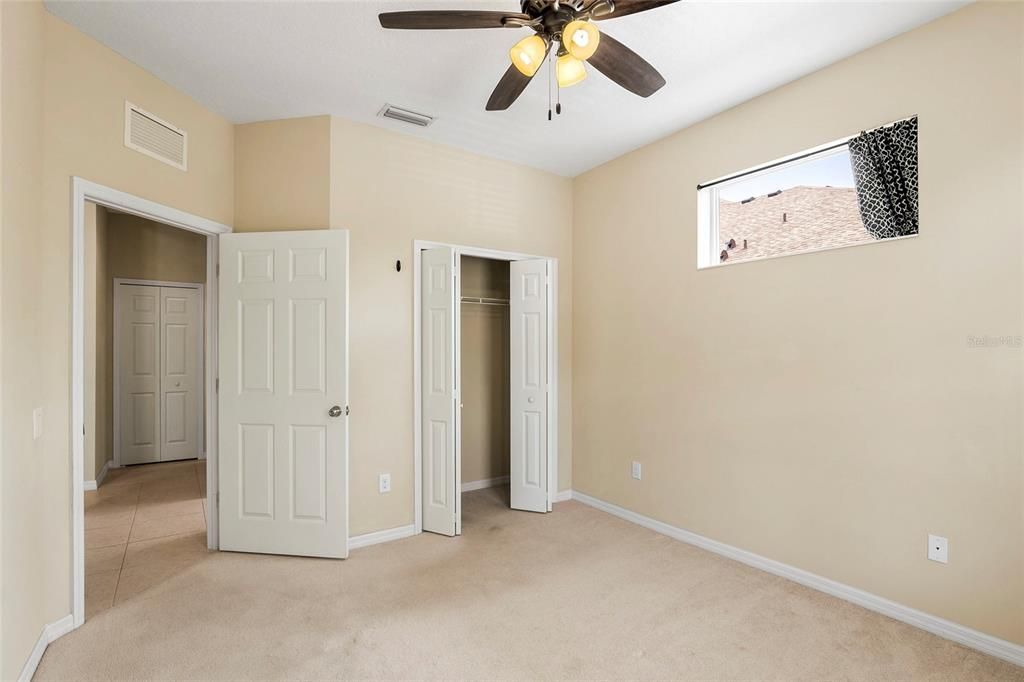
158 351
283 393
441 397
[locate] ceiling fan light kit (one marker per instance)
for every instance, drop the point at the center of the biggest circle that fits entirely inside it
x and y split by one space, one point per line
569 71
580 39
565 23
528 54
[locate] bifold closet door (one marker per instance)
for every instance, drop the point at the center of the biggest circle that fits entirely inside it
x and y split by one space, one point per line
441 469
528 383
138 390
181 374
160 372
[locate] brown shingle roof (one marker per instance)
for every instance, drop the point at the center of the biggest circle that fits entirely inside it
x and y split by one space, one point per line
815 218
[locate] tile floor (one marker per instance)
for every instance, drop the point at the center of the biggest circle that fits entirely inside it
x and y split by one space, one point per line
145 524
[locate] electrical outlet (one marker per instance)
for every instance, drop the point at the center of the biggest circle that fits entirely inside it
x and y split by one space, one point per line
637 471
938 549
384 483
37 423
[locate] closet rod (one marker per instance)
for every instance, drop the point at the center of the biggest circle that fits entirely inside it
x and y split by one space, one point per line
484 300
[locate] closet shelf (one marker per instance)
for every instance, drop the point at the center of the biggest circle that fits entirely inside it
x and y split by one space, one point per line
484 301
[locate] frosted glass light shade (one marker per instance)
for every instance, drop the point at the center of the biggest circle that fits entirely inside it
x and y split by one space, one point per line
569 71
528 54
581 39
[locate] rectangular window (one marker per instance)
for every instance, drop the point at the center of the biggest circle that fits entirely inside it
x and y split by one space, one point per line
806 202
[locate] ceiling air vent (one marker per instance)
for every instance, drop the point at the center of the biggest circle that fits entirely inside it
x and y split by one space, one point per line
405 116
155 137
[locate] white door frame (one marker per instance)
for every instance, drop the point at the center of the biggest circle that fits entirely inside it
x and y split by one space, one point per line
81 191
118 281
479 252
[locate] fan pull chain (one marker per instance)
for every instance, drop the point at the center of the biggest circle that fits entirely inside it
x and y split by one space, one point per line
550 69
558 88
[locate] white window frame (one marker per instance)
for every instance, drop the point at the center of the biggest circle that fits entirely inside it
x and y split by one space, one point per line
708 251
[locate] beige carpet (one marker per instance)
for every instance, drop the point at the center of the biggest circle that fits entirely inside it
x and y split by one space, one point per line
572 594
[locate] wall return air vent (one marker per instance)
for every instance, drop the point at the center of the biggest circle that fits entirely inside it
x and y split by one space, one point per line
405 116
154 137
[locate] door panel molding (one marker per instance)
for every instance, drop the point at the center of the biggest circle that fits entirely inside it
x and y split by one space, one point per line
440 391
284 321
528 383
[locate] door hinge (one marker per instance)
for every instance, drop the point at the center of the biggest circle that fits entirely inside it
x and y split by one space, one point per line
217 499
216 385
218 270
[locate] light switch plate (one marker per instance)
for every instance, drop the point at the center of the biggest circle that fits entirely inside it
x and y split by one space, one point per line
384 483
938 549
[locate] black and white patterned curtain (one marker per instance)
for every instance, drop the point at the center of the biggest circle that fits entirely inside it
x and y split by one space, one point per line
884 165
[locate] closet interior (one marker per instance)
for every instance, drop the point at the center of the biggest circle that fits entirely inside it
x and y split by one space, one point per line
484 341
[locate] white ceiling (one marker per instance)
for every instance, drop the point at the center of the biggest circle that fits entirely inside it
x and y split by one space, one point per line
271 60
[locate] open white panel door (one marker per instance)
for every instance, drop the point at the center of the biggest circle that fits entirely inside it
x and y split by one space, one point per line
284 393
441 475
528 379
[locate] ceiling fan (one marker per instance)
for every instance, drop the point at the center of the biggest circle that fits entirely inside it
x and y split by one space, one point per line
567 27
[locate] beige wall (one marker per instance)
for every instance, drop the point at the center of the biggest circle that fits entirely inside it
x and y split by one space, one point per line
99 322
2 162
484 371
29 469
283 175
143 249
390 190
84 86
825 410
484 278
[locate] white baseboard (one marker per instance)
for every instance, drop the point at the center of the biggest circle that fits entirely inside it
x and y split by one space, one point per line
103 472
1000 648
93 485
49 633
484 483
380 536
563 496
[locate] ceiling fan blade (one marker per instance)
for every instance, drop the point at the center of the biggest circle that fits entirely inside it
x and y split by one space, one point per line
512 85
627 7
508 89
626 67
448 19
